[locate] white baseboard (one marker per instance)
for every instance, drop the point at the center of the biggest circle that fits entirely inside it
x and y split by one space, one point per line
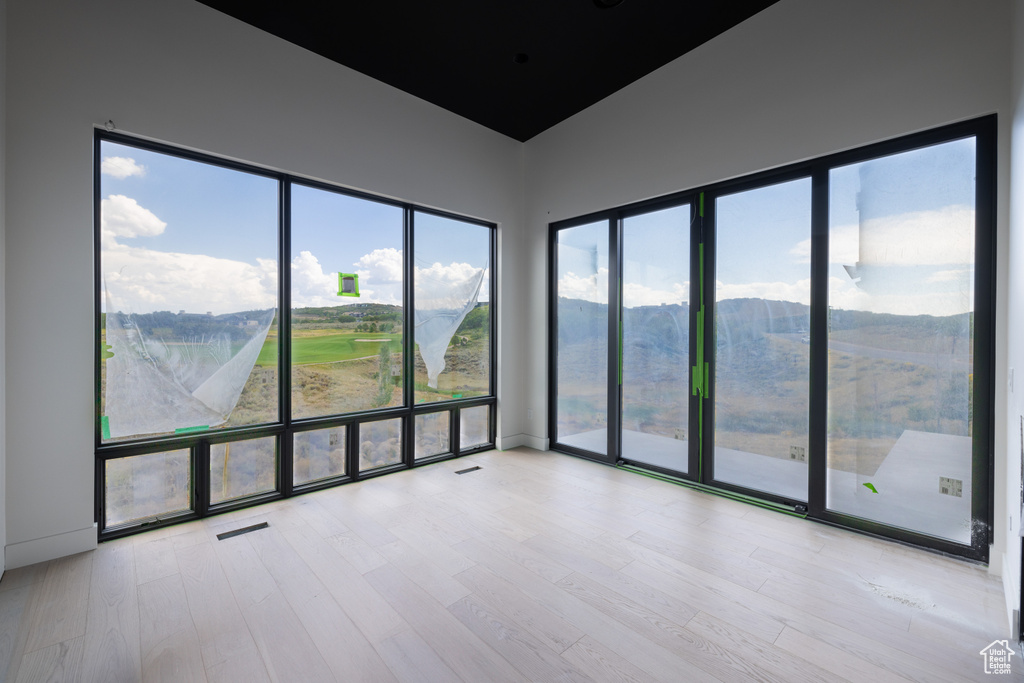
516 440
1009 593
49 548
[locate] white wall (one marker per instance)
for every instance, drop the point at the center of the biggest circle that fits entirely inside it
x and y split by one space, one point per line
1011 485
180 72
801 79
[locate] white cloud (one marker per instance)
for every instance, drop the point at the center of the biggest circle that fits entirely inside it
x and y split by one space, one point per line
587 288
380 265
121 167
844 294
960 275
595 288
917 238
122 216
141 280
451 286
311 286
636 294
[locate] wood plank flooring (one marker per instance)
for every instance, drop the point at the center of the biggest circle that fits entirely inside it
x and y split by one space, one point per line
536 567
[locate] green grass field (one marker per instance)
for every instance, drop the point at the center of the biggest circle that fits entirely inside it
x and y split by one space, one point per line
327 348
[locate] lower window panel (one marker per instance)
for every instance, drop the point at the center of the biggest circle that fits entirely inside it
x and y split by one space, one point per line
145 486
242 468
318 454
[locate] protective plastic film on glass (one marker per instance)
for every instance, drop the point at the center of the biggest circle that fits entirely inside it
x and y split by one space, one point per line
380 444
242 468
318 454
655 337
452 313
154 485
901 302
582 361
474 427
762 338
433 432
188 267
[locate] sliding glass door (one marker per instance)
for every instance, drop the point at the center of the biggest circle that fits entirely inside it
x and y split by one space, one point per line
582 332
655 338
901 339
818 337
762 338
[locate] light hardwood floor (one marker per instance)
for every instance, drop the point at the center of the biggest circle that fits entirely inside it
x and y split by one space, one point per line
538 566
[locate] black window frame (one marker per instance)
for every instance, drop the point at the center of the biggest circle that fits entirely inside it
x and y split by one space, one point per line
285 427
984 130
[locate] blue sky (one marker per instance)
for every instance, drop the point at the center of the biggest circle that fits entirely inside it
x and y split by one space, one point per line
183 235
905 222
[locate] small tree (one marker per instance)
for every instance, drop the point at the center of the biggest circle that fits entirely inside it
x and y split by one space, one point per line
384 385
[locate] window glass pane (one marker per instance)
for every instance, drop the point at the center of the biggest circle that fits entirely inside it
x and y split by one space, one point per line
901 301
380 444
242 468
188 267
655 337
762 338
474 426
453 312
432 434
346 336
582 337
318 454
151 485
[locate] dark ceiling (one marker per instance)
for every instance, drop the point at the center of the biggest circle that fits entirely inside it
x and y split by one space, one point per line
515 66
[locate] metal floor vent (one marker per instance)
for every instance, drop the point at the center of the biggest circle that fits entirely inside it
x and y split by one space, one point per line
243 530
468 469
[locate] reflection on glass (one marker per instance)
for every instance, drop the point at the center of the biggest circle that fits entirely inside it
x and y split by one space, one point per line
151 485
901 274
432 434
318 454
188 264
582 363
242 468
655 337
473 427
380 444
452 308
346 350
762 338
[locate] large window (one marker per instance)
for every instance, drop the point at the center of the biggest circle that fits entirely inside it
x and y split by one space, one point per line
817 338
258 335
346 350
901 338
189 295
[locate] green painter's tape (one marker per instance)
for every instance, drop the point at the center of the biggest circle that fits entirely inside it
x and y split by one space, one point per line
768 505
186 430
105 426
871 487
701 365
620 352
